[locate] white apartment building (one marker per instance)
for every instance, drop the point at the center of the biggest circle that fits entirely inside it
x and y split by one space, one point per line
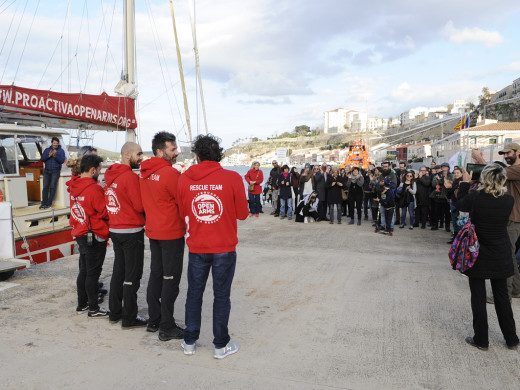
342 120
408 117
516 88
503 94
420 150
460 107
436 115
377 124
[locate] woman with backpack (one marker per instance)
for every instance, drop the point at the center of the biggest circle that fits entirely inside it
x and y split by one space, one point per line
489 208
405 194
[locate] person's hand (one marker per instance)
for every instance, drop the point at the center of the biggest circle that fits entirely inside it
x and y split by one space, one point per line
478 156
416 175
333 183
466 177
349 176
340 184
448 183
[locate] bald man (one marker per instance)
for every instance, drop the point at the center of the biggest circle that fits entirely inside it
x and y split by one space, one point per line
126 225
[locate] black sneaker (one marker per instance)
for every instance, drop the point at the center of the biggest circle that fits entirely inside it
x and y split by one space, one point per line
99 313
138 322
81 309
100 298
152 328
114 320
175 333
102 291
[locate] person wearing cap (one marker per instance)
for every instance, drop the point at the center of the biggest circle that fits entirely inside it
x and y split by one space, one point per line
511 153
440 206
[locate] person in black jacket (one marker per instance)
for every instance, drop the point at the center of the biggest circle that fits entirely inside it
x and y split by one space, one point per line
284 183
272 181
355 194
422 196
489 209
334 194
320 179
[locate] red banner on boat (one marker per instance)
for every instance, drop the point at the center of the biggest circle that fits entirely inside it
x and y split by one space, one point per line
103 109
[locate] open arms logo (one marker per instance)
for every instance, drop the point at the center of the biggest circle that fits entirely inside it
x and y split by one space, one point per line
77 212
113 205
207 207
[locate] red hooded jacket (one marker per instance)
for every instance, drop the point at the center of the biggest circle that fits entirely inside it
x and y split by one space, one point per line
87 208
123 198
258 176
211 199
159 192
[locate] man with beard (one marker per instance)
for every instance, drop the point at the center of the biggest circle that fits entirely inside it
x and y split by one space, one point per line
126 225
511 153
89 221
165 229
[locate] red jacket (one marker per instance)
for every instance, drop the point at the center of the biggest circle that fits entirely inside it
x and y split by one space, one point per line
159 192
87 208
123 198
258 176
211 199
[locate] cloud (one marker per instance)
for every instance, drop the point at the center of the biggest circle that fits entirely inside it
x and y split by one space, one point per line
472 35
274 102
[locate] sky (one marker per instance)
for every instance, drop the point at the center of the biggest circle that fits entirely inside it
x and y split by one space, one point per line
267 66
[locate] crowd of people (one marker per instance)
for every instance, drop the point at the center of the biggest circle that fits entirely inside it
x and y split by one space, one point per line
202 204
437 196
387 194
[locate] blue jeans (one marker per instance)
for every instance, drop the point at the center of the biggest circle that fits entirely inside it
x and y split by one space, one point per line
411 210
50 182
222 267
283 202
254 203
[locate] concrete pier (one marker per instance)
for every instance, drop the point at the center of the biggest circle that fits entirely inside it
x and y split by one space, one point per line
314 306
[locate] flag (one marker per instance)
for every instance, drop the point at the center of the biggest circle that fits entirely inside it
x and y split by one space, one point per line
467 122
458 126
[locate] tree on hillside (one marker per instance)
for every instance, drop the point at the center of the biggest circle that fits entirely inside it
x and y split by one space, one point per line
485 97
302 130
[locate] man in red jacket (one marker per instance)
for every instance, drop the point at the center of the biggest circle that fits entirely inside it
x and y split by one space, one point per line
165 229
89 221
211 199
126 225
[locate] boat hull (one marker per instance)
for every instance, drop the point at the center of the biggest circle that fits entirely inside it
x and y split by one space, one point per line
45 247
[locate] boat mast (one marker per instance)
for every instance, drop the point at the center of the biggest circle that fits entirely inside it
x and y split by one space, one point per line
129 65
181 73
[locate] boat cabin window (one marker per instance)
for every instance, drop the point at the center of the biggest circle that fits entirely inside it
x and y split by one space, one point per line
29 148
8 154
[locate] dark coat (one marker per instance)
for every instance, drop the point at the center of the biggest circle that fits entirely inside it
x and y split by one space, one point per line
423 191
334 191
53 163
320 185
273 177
490 216
285 186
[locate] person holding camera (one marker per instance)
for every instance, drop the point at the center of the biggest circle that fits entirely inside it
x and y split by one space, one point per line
511 153
89 221
490 209
307 210
440 207
53 157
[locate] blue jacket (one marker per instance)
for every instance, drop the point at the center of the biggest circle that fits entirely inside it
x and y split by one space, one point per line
53 163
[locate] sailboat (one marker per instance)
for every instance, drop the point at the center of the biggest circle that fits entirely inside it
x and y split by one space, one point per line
29 118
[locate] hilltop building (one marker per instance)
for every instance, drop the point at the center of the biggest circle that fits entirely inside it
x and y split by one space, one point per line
342 120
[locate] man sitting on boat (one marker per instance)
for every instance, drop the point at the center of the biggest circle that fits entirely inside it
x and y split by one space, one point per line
53 157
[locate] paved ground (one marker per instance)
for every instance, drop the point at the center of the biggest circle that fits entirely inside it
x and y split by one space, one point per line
314 306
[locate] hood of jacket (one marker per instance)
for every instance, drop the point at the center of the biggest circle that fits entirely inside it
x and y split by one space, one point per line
203 169
153 165
69 183
79 185
114 171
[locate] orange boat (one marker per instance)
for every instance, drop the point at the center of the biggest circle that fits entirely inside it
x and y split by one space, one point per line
357 156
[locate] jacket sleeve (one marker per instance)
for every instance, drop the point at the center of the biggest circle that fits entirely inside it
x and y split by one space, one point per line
513 173
98 203
425 180
393 178
465 200
45 154
60 156
172 182
178 198
412 189
260 178
241 204
247 178
360 180
137 202
328 184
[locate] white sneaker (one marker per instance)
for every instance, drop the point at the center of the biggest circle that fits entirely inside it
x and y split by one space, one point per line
229 349
306 220
188 349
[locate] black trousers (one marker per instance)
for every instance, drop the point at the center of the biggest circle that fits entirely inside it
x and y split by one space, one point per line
91 259
441 213
502 308
421 212
354 202
163 285
126 275
366 203
322 209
